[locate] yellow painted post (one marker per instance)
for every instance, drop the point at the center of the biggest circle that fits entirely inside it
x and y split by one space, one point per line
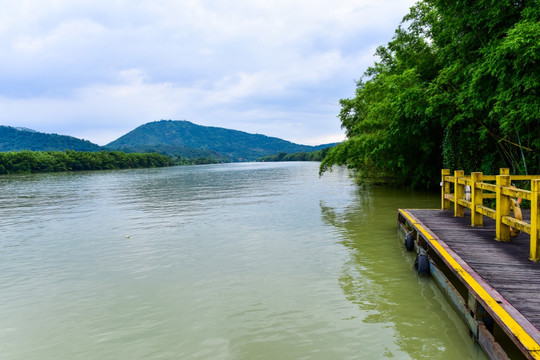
445 189
477 198
504 171
535 219
459 194
502 231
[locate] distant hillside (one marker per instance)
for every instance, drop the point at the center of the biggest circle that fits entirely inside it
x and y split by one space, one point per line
169 136
173 150
16 139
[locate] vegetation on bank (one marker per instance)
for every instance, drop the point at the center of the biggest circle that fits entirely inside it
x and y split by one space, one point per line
299 156
18 139
70 160
457 87
178 139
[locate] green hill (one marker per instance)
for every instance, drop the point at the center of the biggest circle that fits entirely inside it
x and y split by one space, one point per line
172 150
175 137
16 139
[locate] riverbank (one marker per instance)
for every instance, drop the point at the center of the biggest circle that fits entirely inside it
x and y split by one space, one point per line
70 160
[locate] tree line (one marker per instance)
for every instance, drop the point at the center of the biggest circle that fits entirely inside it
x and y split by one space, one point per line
298 156
70 160
457 87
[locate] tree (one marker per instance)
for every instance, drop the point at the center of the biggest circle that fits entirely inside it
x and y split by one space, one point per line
51 161
458 87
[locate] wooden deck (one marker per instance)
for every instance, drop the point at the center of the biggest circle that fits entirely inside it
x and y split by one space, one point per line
499 274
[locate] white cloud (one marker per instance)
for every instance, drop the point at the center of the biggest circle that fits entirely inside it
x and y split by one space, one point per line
98 69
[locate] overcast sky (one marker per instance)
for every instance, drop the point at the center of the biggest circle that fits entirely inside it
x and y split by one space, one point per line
98 69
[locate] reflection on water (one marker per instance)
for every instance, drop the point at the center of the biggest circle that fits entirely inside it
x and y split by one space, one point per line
235 261
388 292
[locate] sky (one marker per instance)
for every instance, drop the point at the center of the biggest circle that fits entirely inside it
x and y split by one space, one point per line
98 69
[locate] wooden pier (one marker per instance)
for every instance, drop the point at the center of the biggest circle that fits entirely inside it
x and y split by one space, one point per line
493 284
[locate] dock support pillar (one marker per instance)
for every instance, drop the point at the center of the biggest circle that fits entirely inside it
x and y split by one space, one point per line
477 199
502 231
459 194
535 220
445 189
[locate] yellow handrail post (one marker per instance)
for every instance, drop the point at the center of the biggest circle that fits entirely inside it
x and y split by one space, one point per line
535 219
459 210
504 171
445 189
477 198
502 231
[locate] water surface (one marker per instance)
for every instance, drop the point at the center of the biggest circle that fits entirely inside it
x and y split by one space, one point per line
235 261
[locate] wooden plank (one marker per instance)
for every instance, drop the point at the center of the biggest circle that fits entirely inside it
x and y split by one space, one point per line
516 193
493 349
518 224
503 269
524 177
486 211
464 181
465 203
486 186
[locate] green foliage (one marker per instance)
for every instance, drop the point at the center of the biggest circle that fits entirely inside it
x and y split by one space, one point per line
299 156
458 88
191 143
186 139
197 155
201 161
12 139
70 160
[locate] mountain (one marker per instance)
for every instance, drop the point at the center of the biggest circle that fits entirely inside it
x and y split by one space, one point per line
16 139
174 136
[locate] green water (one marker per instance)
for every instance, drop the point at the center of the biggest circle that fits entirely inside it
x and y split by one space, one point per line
235 261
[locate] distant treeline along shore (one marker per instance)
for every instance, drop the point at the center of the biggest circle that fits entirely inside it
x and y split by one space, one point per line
178 142
69 160
18 162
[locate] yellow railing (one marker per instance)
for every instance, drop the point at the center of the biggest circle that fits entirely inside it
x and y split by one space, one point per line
503 192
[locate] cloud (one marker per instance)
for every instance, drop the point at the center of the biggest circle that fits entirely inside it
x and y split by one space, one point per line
99 69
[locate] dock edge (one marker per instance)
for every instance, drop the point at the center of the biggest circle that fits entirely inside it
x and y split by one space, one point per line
477 302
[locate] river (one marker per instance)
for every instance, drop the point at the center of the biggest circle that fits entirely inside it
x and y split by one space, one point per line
233 261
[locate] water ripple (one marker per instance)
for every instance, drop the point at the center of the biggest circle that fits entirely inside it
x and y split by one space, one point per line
235 261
